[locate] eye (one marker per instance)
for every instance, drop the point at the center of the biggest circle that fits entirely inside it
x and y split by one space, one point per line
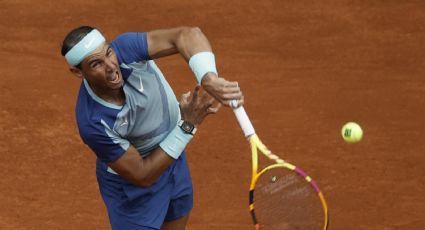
109 52
95 64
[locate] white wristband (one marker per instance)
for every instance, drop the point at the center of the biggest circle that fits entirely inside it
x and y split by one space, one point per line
201 64
175 142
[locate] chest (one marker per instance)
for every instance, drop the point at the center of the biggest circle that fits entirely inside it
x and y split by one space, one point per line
145 113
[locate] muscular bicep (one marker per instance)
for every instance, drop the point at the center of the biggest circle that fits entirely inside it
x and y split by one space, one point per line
141 171
184 40
162 42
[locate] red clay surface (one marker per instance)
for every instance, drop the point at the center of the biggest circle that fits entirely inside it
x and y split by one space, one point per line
306 68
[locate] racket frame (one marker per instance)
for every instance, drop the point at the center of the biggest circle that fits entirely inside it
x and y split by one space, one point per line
256 145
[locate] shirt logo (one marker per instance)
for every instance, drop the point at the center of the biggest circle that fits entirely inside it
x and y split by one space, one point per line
141 89
125 121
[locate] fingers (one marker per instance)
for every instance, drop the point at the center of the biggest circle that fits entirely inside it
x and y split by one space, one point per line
196 93
206 102
184 99
232 95
232 84
231 87
200 99
224 91
233 100
214 110
206 97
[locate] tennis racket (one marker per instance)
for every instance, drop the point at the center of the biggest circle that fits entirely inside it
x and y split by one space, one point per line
281 196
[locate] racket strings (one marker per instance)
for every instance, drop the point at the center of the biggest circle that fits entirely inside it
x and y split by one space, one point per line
285 200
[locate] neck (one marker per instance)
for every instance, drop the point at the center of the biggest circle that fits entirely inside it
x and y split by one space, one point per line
113 96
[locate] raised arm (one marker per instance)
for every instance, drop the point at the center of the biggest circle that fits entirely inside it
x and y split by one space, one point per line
190 41
184 40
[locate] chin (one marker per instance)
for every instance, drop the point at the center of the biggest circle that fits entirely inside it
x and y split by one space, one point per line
117 85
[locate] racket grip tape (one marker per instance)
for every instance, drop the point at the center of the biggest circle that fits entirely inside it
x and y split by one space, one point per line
244 121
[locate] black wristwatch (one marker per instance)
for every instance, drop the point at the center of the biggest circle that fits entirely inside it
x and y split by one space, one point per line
187 127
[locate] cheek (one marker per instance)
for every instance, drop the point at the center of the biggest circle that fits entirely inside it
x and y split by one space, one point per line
97 75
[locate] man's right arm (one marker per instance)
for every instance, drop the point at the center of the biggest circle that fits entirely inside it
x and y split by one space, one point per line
189 41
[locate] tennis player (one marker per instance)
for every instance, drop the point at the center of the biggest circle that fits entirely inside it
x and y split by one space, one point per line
129 116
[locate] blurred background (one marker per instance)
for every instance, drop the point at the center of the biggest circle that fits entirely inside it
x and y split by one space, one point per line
305 67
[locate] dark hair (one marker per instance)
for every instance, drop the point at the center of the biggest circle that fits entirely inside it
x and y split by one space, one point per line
73 37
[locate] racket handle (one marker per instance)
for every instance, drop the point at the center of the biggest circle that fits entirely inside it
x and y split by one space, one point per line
244 121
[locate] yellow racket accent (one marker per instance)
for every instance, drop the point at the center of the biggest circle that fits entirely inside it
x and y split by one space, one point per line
325 209
256 145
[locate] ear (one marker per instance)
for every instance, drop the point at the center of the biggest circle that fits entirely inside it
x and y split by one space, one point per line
77 72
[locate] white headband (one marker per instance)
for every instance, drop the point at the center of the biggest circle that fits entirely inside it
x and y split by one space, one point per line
84 48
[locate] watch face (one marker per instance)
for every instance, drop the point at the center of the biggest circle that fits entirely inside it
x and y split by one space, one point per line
187 127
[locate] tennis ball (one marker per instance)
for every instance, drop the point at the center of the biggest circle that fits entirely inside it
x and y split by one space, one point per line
352 132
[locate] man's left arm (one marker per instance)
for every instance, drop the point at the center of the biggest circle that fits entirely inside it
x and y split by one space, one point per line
192 44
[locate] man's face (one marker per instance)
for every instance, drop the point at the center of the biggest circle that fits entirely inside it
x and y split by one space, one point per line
101 69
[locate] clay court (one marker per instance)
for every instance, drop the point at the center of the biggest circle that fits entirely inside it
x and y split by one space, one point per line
306 68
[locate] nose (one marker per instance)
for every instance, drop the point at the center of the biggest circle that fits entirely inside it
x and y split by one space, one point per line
110 65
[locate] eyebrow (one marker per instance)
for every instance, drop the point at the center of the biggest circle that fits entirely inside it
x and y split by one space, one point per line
96 59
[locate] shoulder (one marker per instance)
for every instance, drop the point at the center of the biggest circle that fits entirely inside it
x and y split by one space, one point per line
131 47
92 116
124 38
96 128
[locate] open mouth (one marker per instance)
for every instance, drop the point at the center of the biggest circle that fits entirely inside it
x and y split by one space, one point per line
115 79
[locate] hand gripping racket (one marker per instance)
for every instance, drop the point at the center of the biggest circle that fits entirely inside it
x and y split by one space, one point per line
281 196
